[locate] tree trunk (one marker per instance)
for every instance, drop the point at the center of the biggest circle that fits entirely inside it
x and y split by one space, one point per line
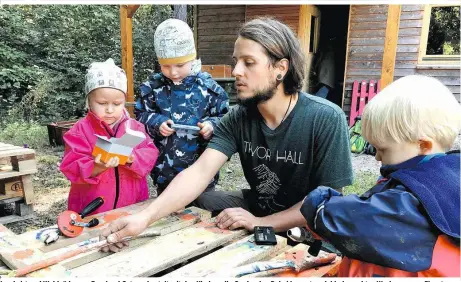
180 12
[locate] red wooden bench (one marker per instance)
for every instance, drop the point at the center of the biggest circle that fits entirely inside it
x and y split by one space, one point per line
360 97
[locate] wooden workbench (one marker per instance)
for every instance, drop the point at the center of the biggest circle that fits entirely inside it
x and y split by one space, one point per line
190 245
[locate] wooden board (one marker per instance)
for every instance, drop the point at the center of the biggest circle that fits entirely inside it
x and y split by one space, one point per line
242 252
23 250
161 252
166 225
297 254
15 254
32 238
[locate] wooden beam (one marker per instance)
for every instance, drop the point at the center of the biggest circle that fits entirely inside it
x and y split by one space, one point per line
126 30
390 45
196 27
131 10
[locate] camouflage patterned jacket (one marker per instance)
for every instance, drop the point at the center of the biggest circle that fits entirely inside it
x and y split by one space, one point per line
197 99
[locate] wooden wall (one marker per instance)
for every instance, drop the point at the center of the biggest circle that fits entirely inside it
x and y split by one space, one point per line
367 30
289 14
217 27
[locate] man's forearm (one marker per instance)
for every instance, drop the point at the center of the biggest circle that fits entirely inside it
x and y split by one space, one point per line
184 189
287 219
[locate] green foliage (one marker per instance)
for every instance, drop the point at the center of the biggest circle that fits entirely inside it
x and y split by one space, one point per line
21 133
46 49
444 31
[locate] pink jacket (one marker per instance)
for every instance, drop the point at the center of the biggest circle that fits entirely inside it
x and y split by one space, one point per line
120 186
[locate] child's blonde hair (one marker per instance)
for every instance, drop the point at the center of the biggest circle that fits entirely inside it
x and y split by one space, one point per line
410 109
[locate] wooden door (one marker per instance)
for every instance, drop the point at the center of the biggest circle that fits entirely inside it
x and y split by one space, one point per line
309 34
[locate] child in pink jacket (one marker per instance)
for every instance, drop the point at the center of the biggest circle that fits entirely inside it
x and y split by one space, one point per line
119 185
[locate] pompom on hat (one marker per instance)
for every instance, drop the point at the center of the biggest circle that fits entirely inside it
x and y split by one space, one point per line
174 42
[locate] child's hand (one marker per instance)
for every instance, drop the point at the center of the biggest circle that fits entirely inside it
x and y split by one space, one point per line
113 162
165 130
130 159
206 129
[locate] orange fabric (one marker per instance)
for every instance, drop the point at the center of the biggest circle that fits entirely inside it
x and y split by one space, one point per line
445 263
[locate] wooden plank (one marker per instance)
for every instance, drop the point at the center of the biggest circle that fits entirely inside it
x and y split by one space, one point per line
131 9
349 36
222 11
365 64
240 253
297 254
379 41
127 52
174 248
368 9
8 147
409 8
15 254
28 189
439 72
223 24
370 18
401 56
218 38
8 174
166 225
412 15
16 152
390 45
218 31
185 218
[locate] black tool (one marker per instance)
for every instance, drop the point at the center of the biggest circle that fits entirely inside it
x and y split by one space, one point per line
264 235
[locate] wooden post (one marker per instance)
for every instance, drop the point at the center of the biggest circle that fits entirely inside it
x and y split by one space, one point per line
390 45
126 29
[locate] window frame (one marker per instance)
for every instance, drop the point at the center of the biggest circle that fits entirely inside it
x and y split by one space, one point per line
431 60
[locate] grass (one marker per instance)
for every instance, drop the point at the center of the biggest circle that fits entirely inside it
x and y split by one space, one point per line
362 183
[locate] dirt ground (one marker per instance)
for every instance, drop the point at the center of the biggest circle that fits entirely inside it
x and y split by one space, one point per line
51 187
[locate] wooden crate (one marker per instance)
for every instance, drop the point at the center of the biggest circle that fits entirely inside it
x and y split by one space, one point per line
56 131
218 71
17 164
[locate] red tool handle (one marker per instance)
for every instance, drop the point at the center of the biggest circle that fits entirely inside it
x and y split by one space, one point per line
91 207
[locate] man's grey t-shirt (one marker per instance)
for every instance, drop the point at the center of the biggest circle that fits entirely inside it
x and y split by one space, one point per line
308 149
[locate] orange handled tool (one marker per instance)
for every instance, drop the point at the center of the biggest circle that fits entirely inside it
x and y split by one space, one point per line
71 224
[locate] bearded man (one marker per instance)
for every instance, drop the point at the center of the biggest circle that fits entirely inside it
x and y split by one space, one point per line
289 143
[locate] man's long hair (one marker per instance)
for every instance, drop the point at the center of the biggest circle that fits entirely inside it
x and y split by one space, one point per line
279 42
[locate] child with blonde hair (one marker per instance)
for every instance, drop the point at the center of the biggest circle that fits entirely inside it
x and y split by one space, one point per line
408 224
119 185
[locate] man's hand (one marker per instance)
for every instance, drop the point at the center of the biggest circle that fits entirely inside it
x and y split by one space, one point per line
121 228
165 130
206 129
233 218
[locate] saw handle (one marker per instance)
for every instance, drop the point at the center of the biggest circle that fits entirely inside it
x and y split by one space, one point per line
91 207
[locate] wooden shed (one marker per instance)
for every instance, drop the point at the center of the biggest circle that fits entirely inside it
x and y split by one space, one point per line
379 42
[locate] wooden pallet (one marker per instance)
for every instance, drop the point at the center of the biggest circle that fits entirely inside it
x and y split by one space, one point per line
16 166
190 245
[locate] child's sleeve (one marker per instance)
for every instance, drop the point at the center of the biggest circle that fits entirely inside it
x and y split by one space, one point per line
78 163
382 229
147 110
219 104
145 156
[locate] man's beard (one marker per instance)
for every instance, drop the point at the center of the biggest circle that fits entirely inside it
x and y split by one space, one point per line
259 96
